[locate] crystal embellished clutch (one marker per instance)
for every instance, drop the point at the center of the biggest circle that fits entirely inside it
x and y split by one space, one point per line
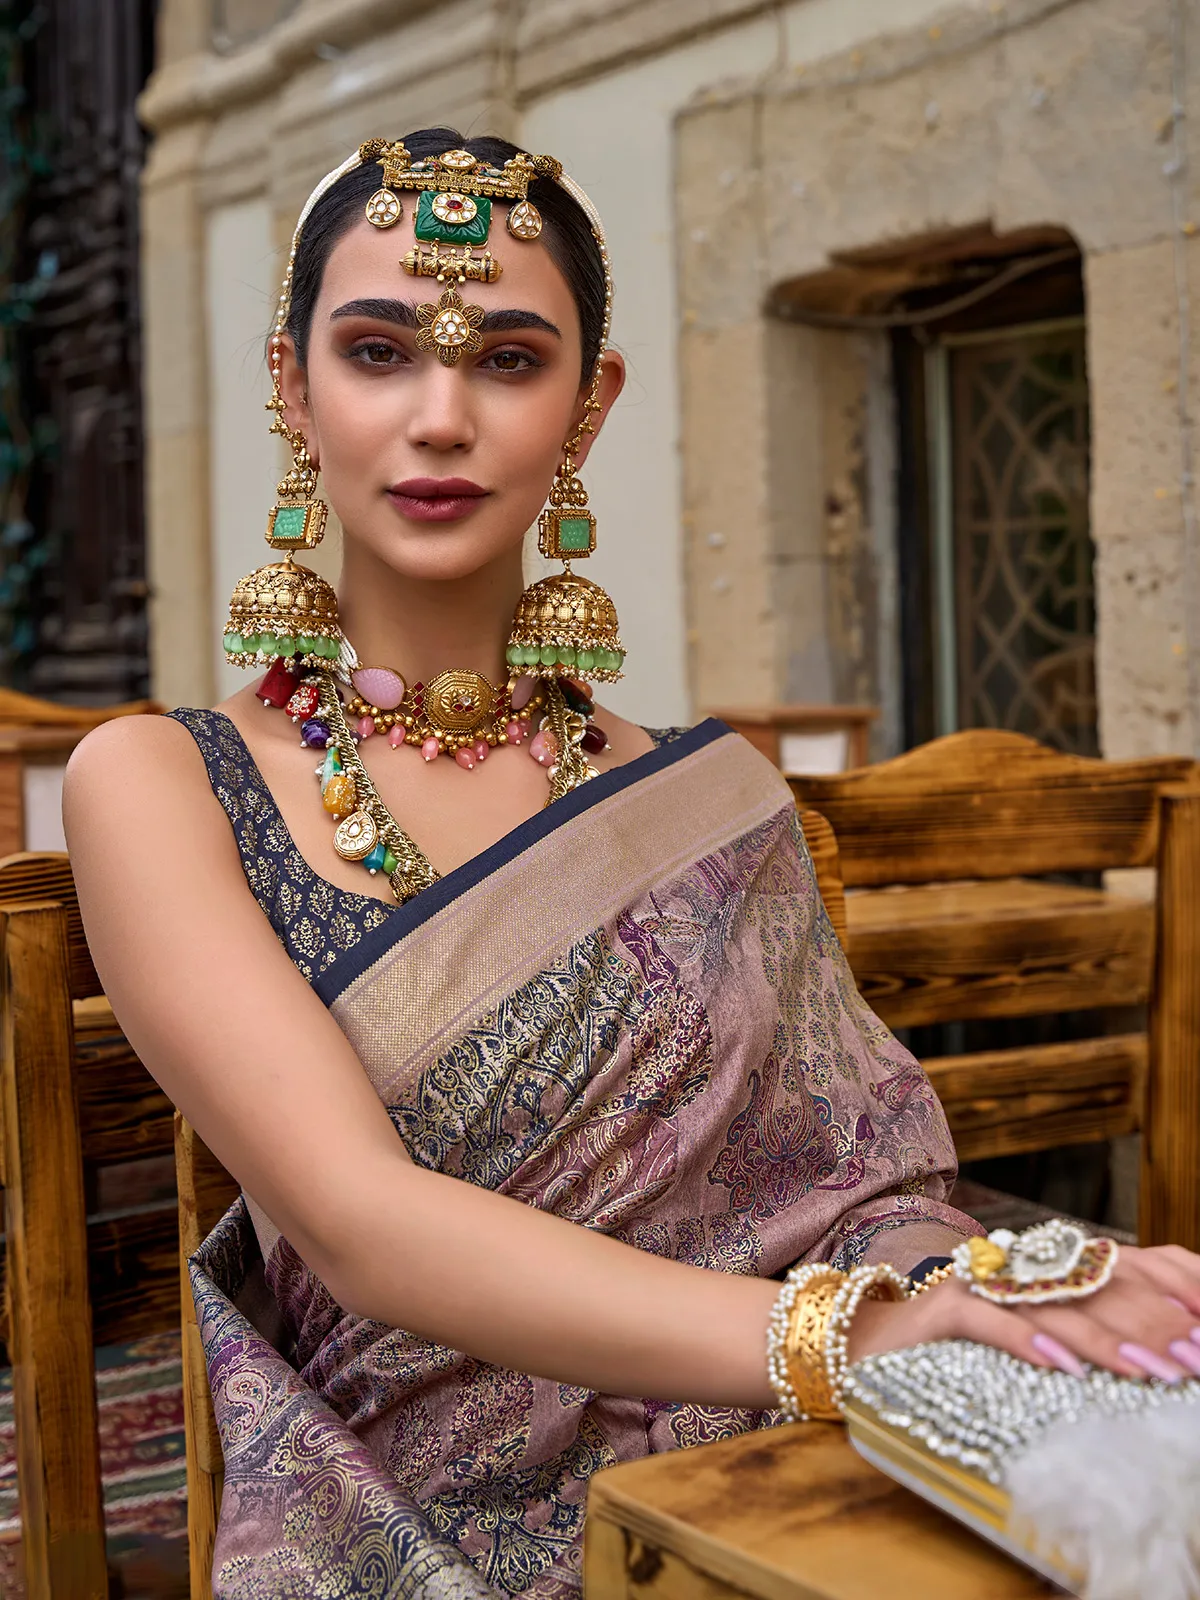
1094 1481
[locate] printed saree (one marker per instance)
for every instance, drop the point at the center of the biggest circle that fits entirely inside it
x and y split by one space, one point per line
631 1012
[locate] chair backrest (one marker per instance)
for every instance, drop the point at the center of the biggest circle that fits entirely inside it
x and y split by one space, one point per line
988 804
206 1191
823 848
79 1114
125 1127
943 847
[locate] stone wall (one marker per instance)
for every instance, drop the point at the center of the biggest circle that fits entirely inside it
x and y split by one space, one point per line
1028 114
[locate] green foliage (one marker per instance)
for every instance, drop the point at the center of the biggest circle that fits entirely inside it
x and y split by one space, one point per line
25 439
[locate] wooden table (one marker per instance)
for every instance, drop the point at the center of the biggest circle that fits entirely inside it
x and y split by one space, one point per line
788 1514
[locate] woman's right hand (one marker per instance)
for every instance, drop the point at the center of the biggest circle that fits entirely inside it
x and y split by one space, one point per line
1144 1323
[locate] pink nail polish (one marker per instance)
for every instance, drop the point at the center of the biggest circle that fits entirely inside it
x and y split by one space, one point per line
1058 1355
1194 1336
1187 1355
1157 1366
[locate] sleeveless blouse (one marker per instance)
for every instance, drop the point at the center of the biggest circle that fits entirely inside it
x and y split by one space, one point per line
316 921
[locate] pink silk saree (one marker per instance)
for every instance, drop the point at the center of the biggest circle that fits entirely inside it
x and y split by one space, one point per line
631 1012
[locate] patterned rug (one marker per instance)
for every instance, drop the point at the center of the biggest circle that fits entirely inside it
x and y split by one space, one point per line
142 1462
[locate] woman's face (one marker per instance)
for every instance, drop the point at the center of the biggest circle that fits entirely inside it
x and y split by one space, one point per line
439 470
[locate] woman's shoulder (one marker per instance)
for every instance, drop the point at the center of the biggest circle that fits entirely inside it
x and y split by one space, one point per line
125 748
174 759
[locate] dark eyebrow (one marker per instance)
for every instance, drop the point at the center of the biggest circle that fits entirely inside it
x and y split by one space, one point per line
404 315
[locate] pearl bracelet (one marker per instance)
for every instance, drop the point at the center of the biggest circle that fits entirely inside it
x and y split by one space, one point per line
932 1279
878 1282
782 1356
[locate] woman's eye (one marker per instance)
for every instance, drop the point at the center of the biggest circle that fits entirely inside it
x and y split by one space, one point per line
375 353
511 361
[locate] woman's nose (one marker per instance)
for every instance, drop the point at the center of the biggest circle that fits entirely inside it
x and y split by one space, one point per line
442 417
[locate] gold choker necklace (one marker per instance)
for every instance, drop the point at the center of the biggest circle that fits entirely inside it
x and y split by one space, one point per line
458 713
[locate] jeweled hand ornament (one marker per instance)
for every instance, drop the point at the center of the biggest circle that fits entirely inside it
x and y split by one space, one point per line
1053 1261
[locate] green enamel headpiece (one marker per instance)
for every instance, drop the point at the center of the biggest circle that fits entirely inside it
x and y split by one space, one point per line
456 192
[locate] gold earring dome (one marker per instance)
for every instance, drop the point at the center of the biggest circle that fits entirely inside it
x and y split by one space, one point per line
282 610
566 626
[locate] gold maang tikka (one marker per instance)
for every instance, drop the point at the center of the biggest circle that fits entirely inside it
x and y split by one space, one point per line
454 208
283 610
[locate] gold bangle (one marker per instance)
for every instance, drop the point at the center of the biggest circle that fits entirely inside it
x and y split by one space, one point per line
805 1347
785 1361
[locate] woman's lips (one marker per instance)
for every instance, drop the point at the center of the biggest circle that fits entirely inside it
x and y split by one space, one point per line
436 499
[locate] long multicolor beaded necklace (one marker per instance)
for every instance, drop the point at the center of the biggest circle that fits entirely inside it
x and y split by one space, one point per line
459 714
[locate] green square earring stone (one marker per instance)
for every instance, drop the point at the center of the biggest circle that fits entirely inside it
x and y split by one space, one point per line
574 535
287 524
430 229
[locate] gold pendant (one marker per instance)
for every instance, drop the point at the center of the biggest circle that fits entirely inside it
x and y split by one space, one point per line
450 327
458 706
356 836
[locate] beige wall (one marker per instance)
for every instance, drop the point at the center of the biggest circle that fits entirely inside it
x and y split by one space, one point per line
1025 114
243 461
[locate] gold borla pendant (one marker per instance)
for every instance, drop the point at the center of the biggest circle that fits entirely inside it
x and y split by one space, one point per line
356 836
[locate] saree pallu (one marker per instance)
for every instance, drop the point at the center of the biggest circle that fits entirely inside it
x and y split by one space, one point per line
632 1012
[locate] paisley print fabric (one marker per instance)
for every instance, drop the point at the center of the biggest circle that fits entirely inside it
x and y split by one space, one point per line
672 1052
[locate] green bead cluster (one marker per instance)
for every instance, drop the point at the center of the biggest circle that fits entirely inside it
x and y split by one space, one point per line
281 644
565 655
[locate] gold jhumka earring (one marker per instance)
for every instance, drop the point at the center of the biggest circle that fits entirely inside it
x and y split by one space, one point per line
284 612
566 625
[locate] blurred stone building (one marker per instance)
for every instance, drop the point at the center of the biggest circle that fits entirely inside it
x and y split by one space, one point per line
906 292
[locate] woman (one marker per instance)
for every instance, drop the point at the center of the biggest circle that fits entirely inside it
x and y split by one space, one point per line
623 1009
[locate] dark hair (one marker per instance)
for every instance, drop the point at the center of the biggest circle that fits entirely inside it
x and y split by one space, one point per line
568 236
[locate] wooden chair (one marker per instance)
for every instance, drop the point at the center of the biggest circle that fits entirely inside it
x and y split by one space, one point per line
206 1191
73 1100
823 848
941 849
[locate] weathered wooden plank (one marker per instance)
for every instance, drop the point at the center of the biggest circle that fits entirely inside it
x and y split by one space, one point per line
1045 1122
926 838
1078 1065
12 807
123 1114
1170 1198
1002 965
983 804
823 848
46 875
132 1274
897 908
206 1191
788 1514
54 1392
